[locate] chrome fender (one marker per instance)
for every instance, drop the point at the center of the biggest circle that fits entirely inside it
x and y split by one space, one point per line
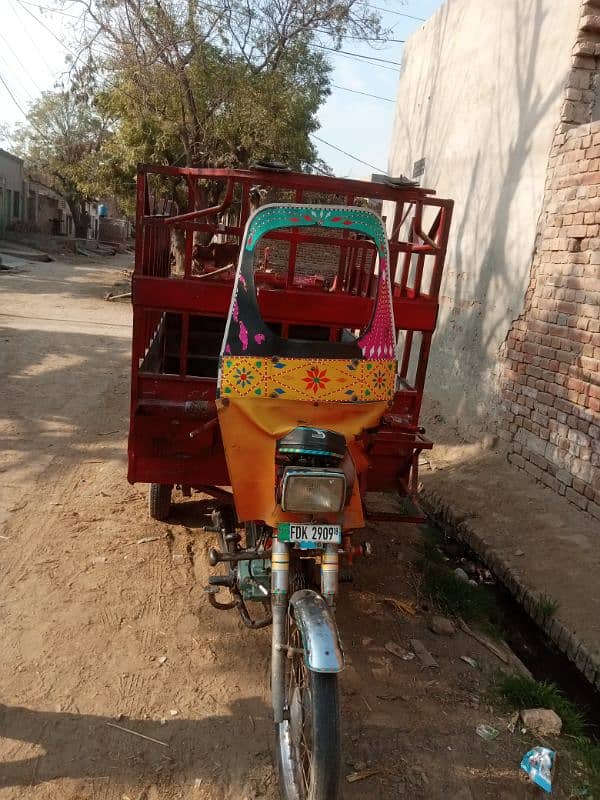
323 651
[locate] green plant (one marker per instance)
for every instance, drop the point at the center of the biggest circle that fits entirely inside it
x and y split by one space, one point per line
586 757
516 692
452 595
458 598
547 606
519 692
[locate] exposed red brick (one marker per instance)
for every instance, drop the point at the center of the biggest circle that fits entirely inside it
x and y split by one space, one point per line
552 358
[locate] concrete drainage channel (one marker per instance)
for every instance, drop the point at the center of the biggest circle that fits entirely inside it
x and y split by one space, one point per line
528 637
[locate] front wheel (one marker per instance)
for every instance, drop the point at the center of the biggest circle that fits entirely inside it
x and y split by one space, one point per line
159 500
309 739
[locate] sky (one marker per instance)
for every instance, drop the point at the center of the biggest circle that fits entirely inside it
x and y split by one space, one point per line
32 59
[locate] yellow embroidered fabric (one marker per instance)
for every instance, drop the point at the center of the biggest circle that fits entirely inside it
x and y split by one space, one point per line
325 380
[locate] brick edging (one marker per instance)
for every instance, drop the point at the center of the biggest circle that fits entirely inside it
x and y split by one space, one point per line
567 642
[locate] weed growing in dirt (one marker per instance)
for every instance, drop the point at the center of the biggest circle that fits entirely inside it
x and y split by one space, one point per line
457 597
586 755
517 692
547 607
454 596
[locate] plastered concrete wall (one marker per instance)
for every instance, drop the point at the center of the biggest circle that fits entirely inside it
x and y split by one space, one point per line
479 99
11 171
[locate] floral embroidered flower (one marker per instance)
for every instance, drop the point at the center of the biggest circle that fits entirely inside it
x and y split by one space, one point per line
316 379
243 377
379 378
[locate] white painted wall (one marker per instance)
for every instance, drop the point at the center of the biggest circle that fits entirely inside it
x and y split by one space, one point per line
479 98
11 181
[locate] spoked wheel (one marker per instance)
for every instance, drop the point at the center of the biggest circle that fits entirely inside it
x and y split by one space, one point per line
308 740
159 500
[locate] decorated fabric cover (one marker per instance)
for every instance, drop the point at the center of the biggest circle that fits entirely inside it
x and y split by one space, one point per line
340 386
290 369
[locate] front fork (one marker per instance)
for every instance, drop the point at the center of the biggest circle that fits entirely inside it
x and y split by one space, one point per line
280 584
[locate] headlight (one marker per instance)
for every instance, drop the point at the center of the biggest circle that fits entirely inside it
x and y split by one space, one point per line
307 491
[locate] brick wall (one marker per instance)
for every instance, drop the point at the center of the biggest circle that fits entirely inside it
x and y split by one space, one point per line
113 230
311 258
550 371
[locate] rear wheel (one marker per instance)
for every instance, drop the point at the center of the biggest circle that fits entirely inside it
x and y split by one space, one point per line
159 500
308 740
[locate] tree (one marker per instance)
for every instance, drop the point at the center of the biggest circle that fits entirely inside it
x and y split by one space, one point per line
203 82
60 142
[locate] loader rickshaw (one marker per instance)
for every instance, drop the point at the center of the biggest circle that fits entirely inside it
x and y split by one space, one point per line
289 408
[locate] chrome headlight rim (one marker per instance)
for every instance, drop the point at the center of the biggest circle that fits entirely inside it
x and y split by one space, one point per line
313 473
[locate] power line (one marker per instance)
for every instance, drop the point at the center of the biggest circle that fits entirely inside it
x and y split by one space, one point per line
29 36
367 39
365 94
43 24
13 98
20 63
398 13
51 10
20 87
366 63
20 107
357 55
344 152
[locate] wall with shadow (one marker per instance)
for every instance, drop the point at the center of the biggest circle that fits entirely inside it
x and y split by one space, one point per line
479 99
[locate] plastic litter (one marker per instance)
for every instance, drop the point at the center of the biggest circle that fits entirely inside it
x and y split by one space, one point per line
487 732
538 764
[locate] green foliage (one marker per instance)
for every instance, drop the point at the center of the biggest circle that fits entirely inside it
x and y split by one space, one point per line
547 607
517 692
586 754
520 692
60 144
452 595
459 598
219 84
184 82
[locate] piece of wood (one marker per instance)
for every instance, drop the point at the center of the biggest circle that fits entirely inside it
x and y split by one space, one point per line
214 272
423 654
118 296
483 640
135 733
352 777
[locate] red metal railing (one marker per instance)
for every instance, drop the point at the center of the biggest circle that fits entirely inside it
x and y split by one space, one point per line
175 222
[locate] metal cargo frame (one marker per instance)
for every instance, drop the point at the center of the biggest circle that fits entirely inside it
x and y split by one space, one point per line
178 318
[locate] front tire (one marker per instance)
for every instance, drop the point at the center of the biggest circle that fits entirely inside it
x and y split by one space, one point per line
309 739
159 501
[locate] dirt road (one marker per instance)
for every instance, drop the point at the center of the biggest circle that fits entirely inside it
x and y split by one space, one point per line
99 630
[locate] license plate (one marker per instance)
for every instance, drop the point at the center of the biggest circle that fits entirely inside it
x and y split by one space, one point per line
309 535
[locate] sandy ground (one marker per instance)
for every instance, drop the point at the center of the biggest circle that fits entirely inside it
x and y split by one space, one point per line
88 614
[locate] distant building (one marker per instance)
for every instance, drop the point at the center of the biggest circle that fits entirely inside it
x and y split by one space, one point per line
29 205
11 190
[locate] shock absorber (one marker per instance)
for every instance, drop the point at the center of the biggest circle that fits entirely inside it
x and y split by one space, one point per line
330 573
280 580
